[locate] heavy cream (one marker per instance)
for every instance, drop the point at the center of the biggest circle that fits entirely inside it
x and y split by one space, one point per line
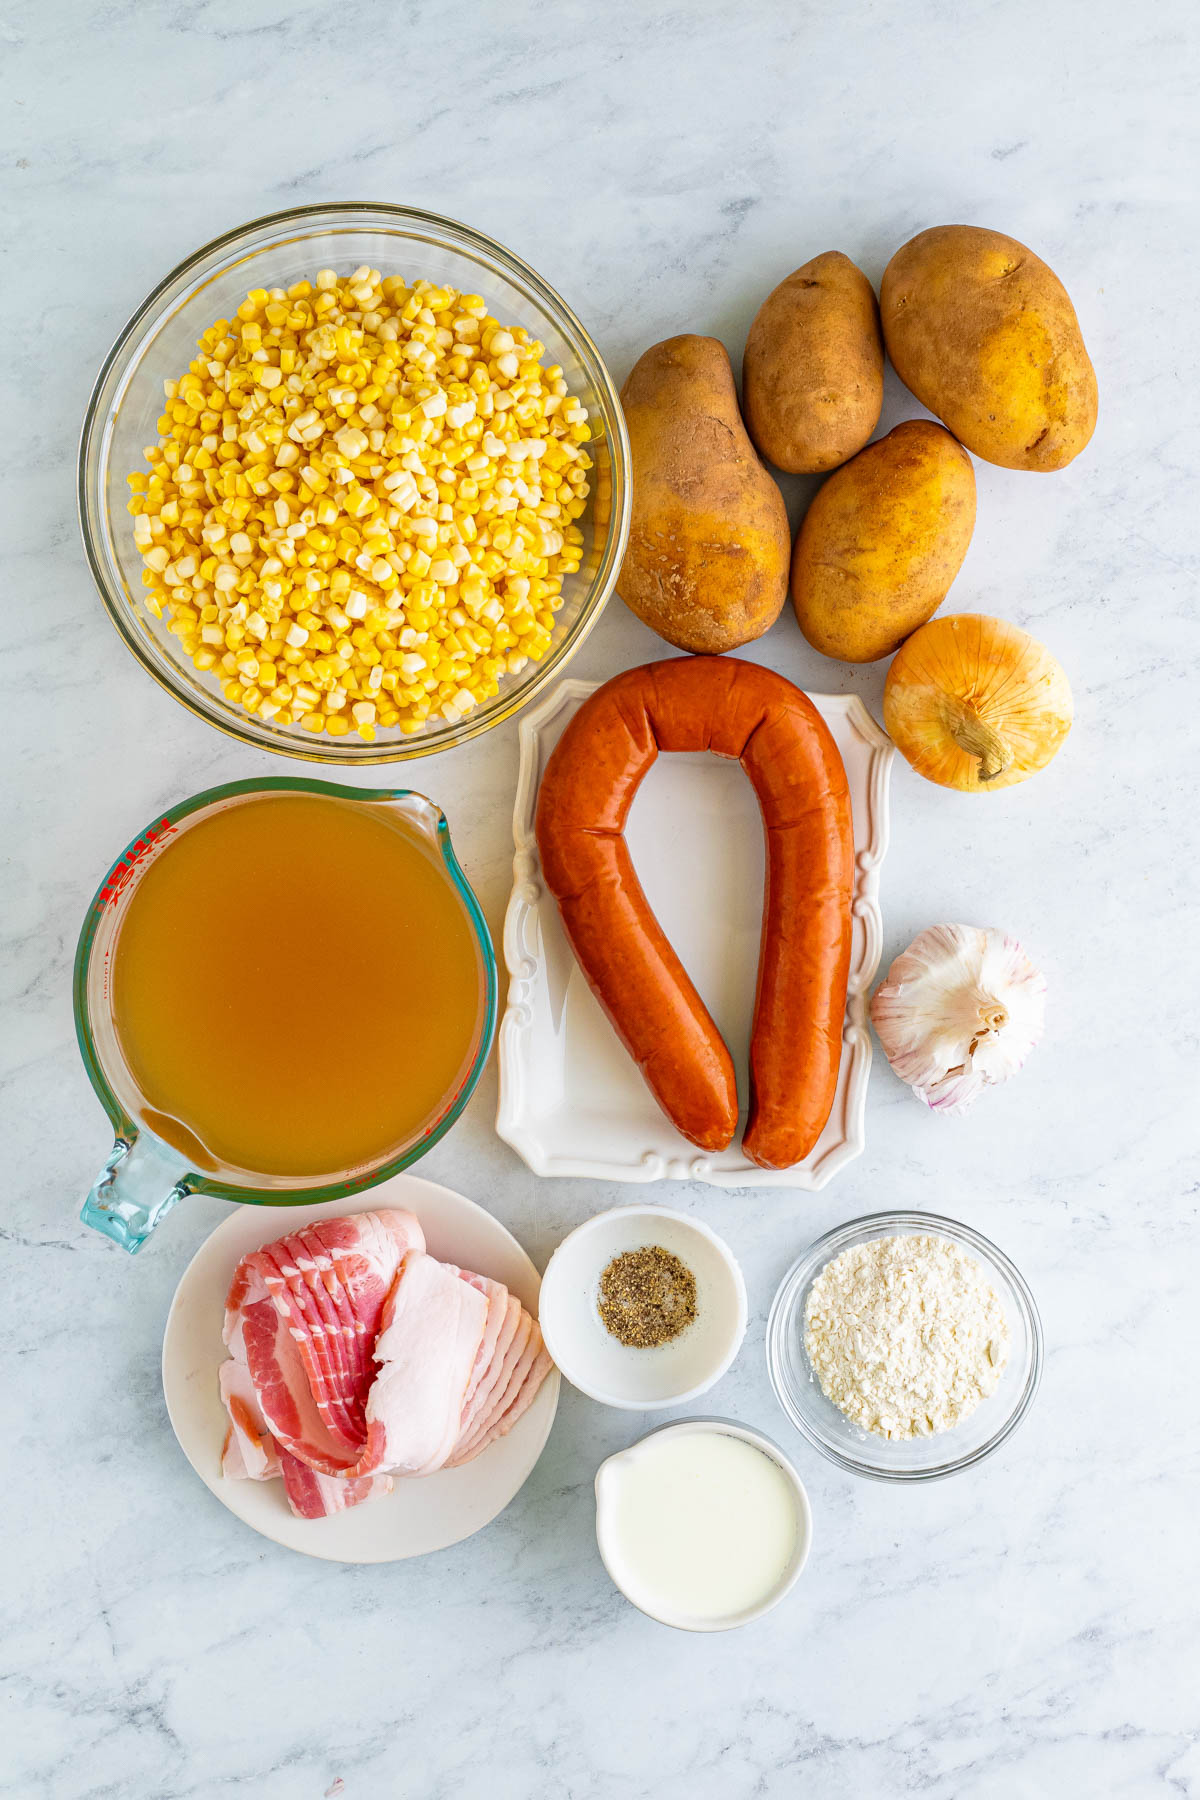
698 1526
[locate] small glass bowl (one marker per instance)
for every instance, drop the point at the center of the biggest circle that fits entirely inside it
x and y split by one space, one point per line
160 341
799 1391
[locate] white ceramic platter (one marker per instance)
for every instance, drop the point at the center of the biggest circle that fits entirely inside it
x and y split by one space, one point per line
571 1100
419 1515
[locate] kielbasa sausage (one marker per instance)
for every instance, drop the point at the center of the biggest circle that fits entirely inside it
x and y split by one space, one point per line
735 709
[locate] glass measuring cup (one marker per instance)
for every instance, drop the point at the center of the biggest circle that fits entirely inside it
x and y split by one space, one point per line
144 1176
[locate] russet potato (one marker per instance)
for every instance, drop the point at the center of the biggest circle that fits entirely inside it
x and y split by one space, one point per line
882 542
812 375
985 336
707 559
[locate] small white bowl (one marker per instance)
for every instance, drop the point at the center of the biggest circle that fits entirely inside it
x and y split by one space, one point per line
614 1373
607 1481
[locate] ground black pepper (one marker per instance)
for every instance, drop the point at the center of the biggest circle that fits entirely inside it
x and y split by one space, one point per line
647 1297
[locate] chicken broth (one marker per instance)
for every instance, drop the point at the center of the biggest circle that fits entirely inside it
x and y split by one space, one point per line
297 987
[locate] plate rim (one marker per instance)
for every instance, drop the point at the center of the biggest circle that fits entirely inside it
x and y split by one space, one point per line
521 959
545 1403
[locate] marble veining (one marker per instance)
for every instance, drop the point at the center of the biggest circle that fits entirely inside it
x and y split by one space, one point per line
1026 1630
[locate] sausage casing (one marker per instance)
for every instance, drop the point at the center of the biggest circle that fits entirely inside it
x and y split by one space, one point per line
739 710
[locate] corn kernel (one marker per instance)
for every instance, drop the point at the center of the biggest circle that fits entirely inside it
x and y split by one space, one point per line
393 458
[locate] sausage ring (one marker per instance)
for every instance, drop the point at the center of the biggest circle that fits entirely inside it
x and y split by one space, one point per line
738 710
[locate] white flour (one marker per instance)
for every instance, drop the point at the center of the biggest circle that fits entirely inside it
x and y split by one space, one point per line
906 1335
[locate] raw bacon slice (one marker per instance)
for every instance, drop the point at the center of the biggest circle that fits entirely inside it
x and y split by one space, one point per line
365 1253
496 1295
355 1355
314 1496
351 1330
276 1326
294 1300
507 1389
260 1336
509 1344
301 1267
530 1388
431 1330
249 1453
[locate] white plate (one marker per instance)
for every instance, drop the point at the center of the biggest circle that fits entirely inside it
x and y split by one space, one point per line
571 1100
419 1515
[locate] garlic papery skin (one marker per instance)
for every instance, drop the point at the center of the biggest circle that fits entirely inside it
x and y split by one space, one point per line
960 1010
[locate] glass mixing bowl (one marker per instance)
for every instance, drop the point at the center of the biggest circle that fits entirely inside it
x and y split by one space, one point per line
159 342
800 1394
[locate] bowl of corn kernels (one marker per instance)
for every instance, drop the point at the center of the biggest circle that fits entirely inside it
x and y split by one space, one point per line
354 483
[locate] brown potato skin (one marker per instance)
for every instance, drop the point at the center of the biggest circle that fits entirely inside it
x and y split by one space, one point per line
812 374
985 336
707 561
882 542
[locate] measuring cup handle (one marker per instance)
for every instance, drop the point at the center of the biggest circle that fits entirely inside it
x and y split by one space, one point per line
138 1186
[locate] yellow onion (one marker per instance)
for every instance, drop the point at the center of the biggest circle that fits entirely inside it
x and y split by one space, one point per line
976 703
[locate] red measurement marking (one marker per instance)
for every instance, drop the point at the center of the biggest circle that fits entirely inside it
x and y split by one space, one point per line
137 853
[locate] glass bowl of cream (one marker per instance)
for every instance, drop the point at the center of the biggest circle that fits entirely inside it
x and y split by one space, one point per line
703 1525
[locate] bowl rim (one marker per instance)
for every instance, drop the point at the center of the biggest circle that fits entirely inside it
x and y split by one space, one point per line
902 1221
749 1434
121 611
732 1268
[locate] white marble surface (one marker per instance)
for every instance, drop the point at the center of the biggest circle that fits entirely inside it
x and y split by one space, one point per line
1026 1630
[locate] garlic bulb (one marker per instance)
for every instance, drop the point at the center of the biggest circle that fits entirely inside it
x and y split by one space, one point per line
960 1010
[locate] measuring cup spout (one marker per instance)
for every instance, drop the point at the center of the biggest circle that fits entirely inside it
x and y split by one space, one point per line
420 811
138 1185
